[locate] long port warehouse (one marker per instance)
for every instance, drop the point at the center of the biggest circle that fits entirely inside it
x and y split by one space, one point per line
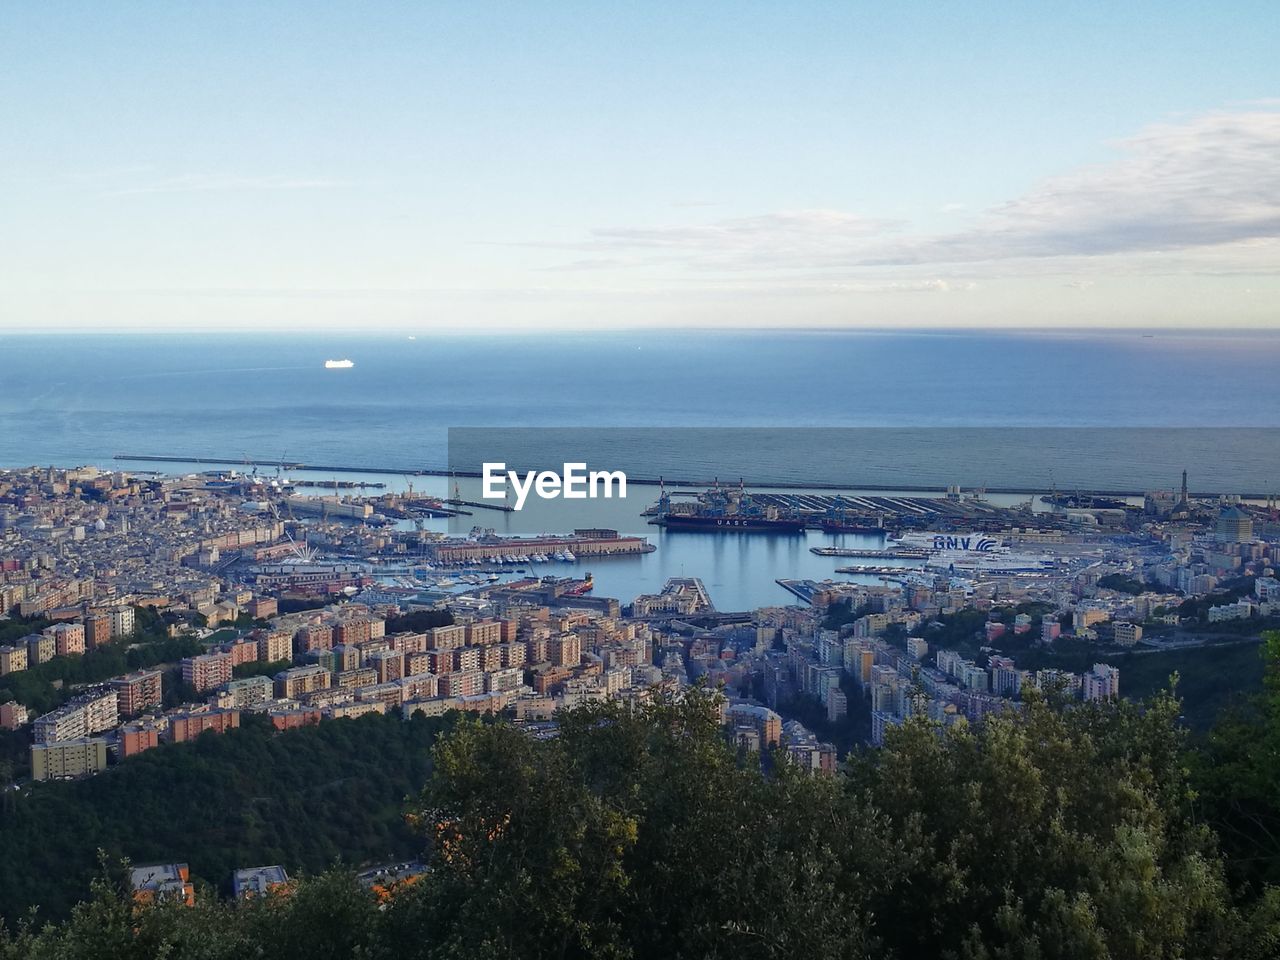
648 481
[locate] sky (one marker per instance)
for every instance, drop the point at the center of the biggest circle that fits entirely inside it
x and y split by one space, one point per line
476 167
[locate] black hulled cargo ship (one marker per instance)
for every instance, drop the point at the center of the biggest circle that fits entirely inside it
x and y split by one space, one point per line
723 510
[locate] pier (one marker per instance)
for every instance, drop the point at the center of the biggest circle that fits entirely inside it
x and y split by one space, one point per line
872 570
905 553
480 505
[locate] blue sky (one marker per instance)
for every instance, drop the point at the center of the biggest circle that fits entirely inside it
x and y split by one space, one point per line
481 166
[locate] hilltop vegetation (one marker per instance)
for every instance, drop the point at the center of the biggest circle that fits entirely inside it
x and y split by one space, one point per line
1059 833
303 799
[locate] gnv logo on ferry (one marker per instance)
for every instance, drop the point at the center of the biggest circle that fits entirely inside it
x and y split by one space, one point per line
574 484
981 545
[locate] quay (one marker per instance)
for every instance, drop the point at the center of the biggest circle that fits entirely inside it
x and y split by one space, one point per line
804 589
480 505
873 570
906 553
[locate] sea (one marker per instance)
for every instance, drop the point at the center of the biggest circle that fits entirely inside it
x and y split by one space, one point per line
857 410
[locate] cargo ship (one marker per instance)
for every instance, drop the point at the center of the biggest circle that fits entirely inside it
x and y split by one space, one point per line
724 510
851 526
839 519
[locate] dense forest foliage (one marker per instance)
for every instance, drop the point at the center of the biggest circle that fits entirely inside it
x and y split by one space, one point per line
303 799
1065 831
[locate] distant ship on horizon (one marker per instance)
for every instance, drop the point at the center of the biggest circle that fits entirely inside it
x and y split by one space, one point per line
338 364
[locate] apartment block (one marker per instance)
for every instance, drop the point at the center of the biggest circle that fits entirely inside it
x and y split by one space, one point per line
41 648
274 645
347 657
250 692
316 636
122 621
298 680
416 663
484 633
1100 683
565 650
408 643
244 650
291 718
1127 634
97 629
139 736
186 725
513 654
137 691
207 671
356 630
68 638
389 665
13 659
500 681
447 638
420 687
65 759
91 712
461 684
441 662
263 608
355 679
12 715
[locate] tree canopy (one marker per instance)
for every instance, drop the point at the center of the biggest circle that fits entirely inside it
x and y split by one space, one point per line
1061 831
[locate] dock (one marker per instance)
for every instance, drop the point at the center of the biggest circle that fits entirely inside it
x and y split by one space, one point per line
877 571
906 553
481 505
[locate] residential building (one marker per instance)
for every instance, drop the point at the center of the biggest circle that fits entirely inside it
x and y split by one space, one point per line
137 691
188 724
93 711
1101 683
65 759
13 659
258 881
1127 634
207 671
162 883
249 692
298 680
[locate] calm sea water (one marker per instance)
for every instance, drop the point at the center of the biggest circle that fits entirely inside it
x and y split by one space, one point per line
84 399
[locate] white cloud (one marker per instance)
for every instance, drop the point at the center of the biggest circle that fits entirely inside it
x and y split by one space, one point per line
1206 188
1202 183
933 285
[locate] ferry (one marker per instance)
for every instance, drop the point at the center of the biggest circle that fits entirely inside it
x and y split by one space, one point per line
956 542
971 553
338 364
